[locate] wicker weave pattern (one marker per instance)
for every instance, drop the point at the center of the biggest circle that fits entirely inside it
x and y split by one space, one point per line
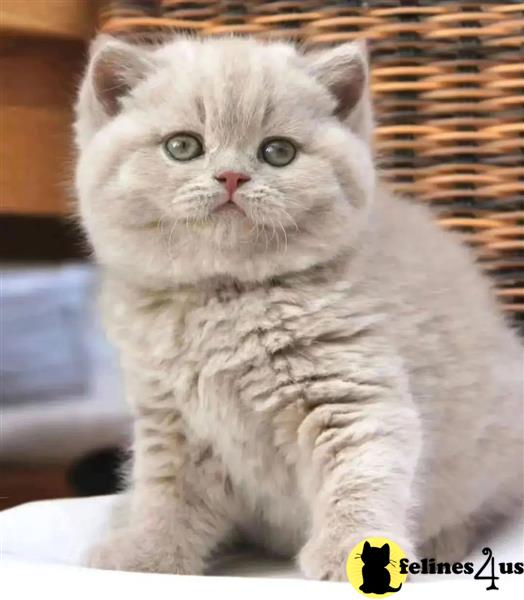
448 86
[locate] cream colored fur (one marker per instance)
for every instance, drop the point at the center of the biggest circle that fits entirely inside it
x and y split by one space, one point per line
328 367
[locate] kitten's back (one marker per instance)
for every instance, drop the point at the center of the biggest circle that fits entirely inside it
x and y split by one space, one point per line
464 361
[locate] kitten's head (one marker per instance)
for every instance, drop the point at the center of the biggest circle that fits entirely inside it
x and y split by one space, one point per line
222 158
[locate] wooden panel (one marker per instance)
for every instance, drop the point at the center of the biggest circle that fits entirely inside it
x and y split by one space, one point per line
73 19
27 483
38 79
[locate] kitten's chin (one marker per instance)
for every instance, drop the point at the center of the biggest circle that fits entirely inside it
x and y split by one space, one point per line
228 210
227 228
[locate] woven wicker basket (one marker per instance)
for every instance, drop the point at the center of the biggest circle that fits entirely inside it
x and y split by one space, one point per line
448 87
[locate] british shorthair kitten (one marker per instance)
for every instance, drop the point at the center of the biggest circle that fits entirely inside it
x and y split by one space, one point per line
310 361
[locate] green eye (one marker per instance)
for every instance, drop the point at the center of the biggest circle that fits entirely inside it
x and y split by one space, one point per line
183 146
277 152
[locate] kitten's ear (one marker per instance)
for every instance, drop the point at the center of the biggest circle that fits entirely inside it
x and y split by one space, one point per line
114 69
344 71
385 549
367 545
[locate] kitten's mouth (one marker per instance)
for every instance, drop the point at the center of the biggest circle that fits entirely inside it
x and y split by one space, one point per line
230 207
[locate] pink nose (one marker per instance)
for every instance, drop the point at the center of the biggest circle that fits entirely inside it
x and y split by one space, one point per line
231 180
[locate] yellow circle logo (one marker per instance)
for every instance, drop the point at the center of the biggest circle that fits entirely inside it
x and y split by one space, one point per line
373 567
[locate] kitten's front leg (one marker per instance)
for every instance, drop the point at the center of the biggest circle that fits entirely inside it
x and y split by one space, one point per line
359 462
179 507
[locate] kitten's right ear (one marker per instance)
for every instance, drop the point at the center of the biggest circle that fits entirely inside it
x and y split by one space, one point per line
115 67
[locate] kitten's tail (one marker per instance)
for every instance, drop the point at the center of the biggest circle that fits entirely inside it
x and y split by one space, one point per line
390 589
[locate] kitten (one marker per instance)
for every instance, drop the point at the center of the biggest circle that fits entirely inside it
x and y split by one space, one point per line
310 361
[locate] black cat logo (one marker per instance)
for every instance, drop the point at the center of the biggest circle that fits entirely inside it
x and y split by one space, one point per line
376 577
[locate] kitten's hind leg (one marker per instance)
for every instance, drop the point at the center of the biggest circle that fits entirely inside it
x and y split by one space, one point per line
451 544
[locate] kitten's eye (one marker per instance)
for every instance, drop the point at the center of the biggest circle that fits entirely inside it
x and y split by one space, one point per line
278 152
183 146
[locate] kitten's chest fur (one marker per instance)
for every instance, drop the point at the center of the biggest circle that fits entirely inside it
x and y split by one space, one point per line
232 344
228 351
223 361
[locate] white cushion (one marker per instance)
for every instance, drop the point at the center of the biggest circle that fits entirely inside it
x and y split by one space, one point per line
46 540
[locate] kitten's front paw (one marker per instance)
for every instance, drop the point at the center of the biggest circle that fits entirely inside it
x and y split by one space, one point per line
322 558
142 552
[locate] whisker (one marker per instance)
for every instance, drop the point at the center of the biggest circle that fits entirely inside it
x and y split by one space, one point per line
274 235
285 235
293 222
266 238
161 224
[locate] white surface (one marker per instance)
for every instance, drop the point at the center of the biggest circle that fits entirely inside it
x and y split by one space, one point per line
43 544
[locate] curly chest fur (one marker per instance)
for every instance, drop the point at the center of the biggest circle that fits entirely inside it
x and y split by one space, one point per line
246 370
231 363
228 380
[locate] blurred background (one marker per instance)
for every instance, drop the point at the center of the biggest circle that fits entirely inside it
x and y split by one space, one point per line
448 86
62 412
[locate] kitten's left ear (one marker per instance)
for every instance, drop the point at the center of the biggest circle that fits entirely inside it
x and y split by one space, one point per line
344 71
